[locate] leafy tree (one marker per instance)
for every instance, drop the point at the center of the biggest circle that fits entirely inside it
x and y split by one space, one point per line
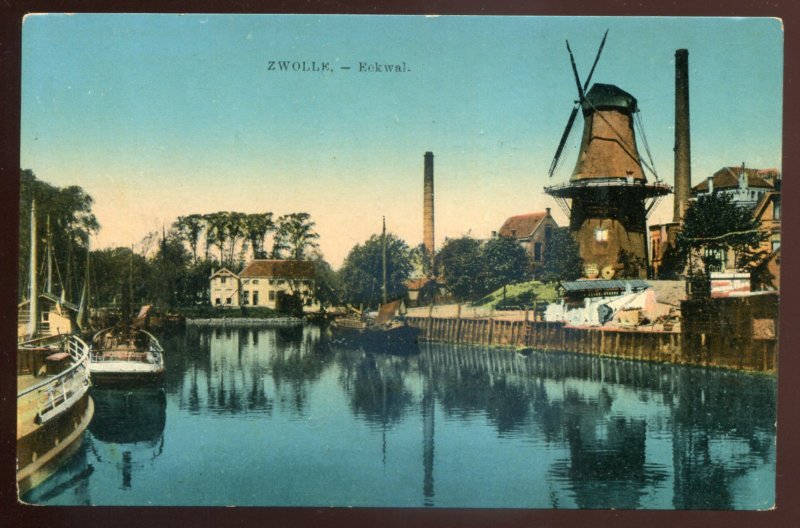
459 262
361 274
327 288
235 230
114 273
216 233
422 261
256 228
562 258
295 236
632 266
72 223
504 262
190 227
712 225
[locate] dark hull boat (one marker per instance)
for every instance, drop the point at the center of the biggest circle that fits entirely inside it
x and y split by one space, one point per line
386 331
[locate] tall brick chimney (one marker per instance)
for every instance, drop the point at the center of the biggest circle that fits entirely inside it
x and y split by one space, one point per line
683 169
427 205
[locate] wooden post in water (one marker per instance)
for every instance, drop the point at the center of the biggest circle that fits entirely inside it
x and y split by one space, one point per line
458 324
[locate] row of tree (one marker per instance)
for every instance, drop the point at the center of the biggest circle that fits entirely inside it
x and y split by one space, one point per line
177 273
236 235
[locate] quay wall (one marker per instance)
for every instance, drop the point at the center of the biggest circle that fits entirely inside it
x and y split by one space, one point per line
246 322
739 352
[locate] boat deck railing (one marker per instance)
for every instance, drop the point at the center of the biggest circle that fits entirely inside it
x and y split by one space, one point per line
57 393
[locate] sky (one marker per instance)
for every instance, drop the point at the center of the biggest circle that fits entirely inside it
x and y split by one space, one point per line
157 116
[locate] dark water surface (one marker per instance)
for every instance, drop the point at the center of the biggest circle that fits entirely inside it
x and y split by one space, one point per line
277 417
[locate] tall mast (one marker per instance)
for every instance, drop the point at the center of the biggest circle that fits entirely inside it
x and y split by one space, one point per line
49 284
383 257
34 315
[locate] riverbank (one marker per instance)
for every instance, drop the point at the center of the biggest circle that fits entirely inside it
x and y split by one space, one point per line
260 322
732 333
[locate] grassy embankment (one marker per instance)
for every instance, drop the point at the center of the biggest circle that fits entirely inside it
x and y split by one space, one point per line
519 296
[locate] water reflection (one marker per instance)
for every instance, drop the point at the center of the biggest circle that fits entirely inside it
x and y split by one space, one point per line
127 430
317 424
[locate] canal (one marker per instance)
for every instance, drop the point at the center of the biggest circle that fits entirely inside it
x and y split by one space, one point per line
279 417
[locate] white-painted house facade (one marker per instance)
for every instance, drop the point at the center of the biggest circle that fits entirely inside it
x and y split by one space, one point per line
224 288
265 283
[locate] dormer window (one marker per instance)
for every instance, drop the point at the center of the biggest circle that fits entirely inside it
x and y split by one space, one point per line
601 234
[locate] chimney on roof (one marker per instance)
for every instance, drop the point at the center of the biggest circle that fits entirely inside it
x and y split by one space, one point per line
683 169
427 205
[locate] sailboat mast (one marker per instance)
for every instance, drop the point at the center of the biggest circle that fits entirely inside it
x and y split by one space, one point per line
49 284
383 258
34 315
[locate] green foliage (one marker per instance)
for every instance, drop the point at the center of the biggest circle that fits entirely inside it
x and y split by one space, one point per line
327 287
361 274
459 262
72 223
520 294
115 273
712 225
632 266
504 262
562 258
295 237
422 261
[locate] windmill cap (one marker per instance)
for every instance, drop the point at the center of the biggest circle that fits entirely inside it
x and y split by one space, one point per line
609 96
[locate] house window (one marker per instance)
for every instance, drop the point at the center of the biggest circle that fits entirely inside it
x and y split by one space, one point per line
601 234
228 300
776 209
255 281
222 280
255 298
537 251
272 295
245 297
217 301
548 233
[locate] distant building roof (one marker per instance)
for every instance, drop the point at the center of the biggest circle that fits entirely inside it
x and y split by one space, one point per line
522 226
222 271
285 269
728 178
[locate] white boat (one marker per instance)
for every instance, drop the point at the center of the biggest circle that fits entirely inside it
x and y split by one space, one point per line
132 356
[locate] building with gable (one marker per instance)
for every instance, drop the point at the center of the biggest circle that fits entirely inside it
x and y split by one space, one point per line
266 283
532 231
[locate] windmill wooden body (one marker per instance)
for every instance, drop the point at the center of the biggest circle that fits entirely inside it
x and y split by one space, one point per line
608 196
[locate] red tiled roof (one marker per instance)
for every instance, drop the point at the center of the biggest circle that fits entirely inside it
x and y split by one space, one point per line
285 269
728 177
521 226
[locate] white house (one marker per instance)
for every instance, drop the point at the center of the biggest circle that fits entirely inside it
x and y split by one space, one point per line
224 288
267 282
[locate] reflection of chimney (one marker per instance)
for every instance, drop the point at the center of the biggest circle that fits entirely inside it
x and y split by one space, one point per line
427 206
683 169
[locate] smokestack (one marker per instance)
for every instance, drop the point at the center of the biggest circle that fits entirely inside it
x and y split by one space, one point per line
683 169
427 206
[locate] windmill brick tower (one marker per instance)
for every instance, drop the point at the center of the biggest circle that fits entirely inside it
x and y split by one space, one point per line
608 196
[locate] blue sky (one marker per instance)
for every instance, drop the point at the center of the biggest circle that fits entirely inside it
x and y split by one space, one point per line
163 115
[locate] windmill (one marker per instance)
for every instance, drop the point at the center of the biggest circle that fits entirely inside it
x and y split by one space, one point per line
608 197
